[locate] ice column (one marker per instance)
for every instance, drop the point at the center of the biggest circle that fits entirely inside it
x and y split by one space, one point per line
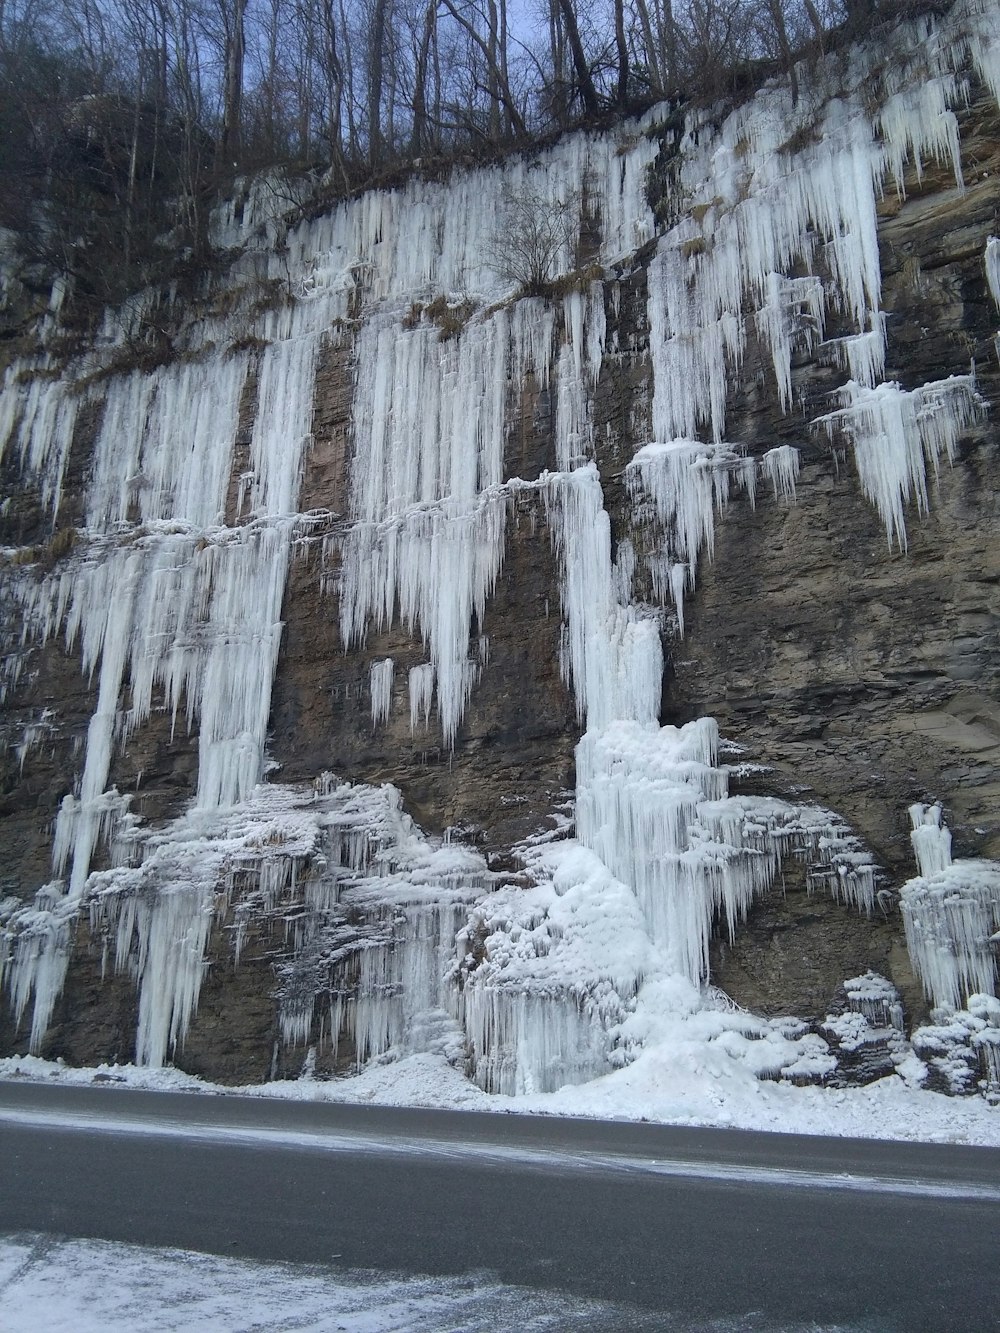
991 260
951 913
577 370
931 839
380 686
611 650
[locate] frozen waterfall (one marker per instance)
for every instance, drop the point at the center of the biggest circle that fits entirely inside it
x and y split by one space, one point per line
171 594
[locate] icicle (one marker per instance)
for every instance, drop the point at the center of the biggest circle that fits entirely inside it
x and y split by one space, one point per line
763 213
991 260
421 690
862 355
47 409
918 123
428 518
781 467
164 450
896 434
282 427
244 638
183 604
42 942
577 370
687 482
791 317
613 654
949 918
530 1044
380 687
931 839
170 969
876 999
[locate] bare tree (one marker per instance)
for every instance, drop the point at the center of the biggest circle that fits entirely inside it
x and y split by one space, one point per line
532 234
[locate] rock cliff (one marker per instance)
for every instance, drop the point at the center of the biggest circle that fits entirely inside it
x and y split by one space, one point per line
378 520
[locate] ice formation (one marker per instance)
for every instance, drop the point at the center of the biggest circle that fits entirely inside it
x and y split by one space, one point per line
687 484
931 839
991 260
896 435
961 1048
380 685
951 912
40 417
172 594
776 241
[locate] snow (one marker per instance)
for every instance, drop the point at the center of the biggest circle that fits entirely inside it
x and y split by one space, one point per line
51 1285
676 1082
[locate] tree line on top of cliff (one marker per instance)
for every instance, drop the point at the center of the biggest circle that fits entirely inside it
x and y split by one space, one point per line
121 119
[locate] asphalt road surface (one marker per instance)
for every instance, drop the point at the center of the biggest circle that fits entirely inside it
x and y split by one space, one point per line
751 1230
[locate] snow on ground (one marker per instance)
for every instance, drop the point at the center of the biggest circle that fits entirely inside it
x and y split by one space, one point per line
48 1285
668 1084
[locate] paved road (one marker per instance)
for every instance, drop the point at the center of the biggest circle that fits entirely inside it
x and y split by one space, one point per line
755 1230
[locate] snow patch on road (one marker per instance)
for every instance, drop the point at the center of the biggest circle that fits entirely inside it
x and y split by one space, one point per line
83 1286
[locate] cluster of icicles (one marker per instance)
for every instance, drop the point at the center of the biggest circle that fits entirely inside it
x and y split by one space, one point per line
951 912
173 597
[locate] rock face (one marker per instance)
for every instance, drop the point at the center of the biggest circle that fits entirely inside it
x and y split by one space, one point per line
864 676
844 671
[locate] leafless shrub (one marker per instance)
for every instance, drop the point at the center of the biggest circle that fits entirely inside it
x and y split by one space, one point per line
532 235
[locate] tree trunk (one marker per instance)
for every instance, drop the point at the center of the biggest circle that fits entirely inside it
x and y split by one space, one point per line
232 98
585 82
418 134
376 51
621 88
